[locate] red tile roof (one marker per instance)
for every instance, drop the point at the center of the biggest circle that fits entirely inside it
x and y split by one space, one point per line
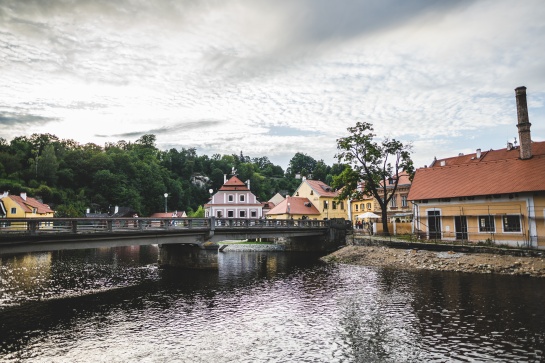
30 203
169 215
234 184
321 188
298 205
495 172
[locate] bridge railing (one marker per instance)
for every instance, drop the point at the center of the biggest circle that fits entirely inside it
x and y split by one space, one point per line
268 223
34 226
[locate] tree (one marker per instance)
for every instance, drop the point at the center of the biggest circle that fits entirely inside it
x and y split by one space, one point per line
372 163
301 163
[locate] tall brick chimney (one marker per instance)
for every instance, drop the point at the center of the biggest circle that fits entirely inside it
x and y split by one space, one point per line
524 124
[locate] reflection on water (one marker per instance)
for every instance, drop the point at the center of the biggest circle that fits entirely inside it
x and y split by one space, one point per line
116 305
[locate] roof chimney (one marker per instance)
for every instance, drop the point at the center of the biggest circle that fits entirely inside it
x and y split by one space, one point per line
23 195
478 154
523 124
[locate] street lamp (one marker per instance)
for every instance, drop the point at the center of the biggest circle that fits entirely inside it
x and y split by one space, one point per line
166 196
327 209
288 210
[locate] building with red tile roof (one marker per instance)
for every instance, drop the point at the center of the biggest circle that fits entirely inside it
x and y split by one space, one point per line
294 208
22 206
234 200
494 195
323 197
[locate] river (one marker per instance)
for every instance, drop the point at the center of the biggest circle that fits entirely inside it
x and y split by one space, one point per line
116 305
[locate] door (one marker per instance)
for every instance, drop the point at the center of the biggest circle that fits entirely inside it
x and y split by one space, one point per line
460 224
434 224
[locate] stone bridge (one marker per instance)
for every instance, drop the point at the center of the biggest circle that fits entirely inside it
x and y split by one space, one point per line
187 242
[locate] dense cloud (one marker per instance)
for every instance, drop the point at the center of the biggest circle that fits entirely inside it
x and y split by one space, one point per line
272 77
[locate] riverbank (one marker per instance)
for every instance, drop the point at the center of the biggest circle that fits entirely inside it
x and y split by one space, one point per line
416 259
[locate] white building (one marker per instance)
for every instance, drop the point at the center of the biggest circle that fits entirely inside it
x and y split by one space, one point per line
233 200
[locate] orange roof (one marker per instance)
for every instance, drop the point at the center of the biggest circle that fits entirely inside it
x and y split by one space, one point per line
234 184
298 205
321 188
495 172
30 203
169 215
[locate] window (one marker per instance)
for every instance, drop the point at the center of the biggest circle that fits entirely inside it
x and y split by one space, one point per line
230 198
241 198
13 210
334 206
356 207
486 224
368 206
341 205
393 202
404 201
511 224
253 213
230 214
34 210
218 214
242 214
325 204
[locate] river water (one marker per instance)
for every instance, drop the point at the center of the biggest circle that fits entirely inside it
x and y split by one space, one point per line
116 305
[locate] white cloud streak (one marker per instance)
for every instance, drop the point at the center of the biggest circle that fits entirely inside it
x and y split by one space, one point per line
220 75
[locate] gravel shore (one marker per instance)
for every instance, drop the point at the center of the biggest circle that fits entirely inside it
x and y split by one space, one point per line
442 261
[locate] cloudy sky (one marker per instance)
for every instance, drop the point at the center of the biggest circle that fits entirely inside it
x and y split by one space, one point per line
272 77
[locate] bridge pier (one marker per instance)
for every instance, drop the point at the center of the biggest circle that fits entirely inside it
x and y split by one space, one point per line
329 241
202 257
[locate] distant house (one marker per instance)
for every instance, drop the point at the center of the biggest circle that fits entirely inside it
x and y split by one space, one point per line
495 195
322 196
234 200
294 208
175 218
22 206
174 214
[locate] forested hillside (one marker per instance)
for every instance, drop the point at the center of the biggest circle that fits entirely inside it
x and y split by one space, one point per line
71 177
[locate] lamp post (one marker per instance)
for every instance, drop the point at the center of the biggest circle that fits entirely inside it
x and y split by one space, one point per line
327 209
288 210
166 196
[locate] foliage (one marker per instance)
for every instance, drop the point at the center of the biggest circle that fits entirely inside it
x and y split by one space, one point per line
73 177
377 166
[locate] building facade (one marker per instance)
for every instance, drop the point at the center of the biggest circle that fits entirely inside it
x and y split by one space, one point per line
322 196
496 196
234 200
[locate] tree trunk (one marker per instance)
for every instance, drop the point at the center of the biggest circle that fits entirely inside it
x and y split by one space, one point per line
385 230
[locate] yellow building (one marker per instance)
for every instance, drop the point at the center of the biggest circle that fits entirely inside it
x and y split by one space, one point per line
496 195
322 196
21 206
399 209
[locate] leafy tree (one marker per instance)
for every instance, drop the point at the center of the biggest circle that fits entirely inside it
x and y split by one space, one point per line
301 163
372 163
321 170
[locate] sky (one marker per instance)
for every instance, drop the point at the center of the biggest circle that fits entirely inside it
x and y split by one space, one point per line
273 77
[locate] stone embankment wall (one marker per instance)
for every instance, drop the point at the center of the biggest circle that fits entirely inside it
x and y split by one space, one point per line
477 259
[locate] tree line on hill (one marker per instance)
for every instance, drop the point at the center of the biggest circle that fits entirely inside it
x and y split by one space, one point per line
72 177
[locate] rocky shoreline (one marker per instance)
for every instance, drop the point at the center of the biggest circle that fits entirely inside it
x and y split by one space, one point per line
416 259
